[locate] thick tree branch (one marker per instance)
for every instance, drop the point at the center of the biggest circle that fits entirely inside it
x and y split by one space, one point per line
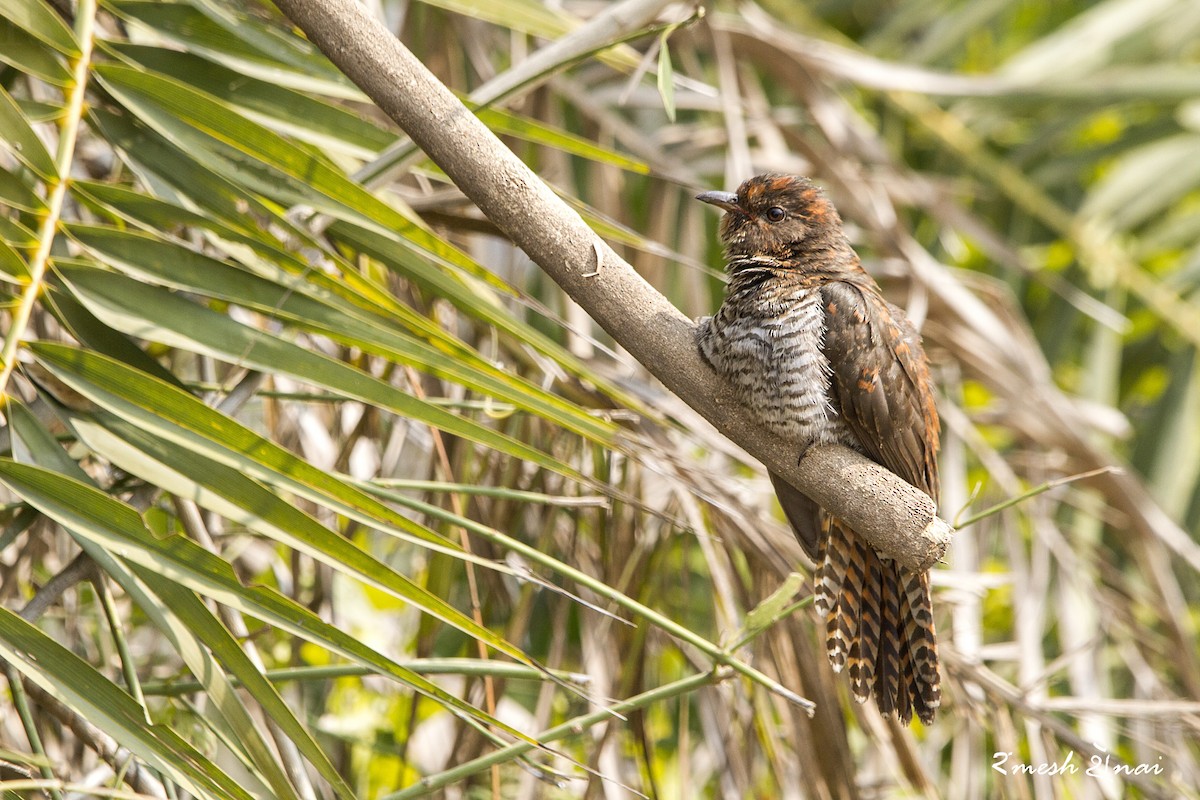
896 518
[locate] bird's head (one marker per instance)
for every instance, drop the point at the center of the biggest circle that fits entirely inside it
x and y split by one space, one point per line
774 217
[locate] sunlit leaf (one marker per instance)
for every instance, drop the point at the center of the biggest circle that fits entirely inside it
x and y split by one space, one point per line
25 52
281 108
176 415
153 313
242 42
16 193
666 77
18 138
79 686
311 308
118 528
37 18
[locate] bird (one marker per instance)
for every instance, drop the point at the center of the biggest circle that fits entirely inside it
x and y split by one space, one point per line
810 346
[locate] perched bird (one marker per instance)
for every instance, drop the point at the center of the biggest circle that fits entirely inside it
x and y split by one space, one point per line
811 347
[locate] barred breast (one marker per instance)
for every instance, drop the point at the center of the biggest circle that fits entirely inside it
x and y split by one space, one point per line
766 340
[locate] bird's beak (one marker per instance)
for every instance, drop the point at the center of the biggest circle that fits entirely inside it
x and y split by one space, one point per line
725 200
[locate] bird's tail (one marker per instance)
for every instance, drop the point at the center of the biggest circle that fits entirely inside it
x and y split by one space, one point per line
878 624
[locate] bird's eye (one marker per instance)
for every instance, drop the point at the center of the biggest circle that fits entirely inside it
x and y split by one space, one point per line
776 214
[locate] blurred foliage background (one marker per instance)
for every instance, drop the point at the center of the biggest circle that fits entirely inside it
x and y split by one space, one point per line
315 487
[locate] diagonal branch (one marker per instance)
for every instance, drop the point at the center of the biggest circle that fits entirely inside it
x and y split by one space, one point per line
896 518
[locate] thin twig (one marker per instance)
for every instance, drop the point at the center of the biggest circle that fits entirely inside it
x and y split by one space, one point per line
1034 492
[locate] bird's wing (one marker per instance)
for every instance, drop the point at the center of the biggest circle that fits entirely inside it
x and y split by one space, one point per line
881 383
803 514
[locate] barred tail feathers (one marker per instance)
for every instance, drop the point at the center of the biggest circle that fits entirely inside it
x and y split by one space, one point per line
878 623
924 680
864 653
890 667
